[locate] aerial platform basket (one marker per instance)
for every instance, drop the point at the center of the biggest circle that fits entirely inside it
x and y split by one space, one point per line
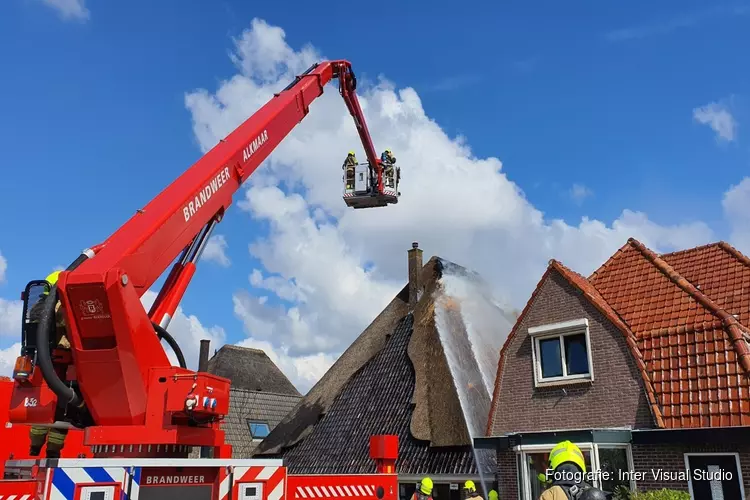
361 192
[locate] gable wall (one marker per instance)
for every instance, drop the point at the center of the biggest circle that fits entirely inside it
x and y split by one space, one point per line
616 397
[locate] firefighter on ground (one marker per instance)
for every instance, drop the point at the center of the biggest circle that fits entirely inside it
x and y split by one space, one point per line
55 438
492 495
424 491
348 167
567 468
389 162
470 491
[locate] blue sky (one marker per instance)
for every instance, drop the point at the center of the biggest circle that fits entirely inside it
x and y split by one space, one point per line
592 108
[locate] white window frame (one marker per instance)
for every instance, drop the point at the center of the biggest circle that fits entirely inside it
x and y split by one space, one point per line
524 486
724 454
560 330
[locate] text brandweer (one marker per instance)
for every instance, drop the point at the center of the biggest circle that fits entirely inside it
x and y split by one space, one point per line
175 479
205 194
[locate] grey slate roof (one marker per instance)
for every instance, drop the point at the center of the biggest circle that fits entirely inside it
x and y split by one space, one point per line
394 379
250 369
247 405
259 391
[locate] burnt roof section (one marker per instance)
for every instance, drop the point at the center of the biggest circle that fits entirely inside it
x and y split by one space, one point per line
250 369
377 400
393 379
245 405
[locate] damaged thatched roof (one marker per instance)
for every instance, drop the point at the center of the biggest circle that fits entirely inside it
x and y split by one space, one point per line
393 379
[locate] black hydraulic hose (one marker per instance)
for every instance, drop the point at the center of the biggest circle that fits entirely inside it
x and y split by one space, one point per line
163 334
47 325
44 356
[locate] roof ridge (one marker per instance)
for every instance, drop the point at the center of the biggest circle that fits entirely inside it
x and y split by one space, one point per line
744 259
597 300
270 393
693 249
243 348
738 335
606 264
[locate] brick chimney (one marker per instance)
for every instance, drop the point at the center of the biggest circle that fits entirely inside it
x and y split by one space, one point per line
415 271
203 356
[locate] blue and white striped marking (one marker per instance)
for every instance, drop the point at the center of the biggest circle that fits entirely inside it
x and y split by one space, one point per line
65 479
135 485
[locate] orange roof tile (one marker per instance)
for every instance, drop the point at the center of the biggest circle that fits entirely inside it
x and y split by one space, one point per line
695 352
721 272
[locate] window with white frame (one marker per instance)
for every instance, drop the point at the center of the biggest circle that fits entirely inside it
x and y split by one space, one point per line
561 352
613 458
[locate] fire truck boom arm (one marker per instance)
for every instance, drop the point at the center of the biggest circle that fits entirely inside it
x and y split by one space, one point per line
146 244
114 346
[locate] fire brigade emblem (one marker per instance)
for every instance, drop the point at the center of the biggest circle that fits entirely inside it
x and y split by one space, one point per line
91 307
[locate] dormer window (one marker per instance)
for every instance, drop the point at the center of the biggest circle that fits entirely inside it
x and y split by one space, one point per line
561 353
258 429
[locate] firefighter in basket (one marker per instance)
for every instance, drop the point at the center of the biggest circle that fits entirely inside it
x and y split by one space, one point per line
348 167
389 163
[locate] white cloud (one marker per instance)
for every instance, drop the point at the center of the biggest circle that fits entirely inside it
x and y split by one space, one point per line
719 118
303 371
10 318
8 359
215 250
3 268
328 270
579 192
736 205
70 9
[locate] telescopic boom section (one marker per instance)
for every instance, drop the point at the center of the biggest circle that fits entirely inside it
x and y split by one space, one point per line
112 337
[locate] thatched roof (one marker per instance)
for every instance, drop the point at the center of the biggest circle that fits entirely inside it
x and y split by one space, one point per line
250 369
395 379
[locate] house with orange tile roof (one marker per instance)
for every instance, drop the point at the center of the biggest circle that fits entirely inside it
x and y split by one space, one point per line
645 365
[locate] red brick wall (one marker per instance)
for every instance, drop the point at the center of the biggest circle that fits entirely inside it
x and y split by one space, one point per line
507 475
672 459
615 398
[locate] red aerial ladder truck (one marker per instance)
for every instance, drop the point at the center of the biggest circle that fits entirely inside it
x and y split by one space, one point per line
116 380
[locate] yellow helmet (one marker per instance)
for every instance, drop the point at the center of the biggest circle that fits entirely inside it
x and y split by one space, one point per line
351 153
387 150
425 486
493 495
52 280
470 486
566 452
